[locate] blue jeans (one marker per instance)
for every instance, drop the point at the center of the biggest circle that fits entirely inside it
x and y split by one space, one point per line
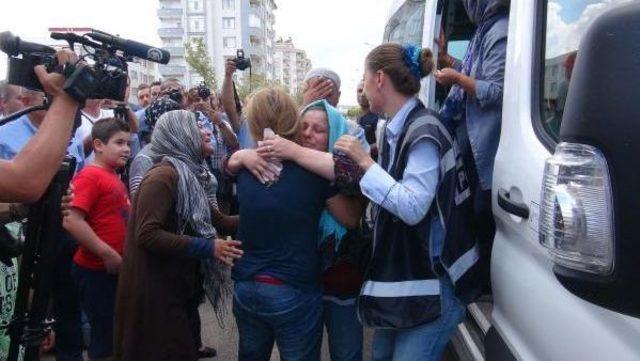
425 342
97 295
266 313
344 330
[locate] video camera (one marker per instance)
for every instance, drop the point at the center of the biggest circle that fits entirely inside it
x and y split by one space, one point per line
242 63
106 78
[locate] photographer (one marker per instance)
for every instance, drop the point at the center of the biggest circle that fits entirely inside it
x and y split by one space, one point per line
36 143
223 140
233 109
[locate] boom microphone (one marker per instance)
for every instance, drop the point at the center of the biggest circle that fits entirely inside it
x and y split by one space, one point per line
131 47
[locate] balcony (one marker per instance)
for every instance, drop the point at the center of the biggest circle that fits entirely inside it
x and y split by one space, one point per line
195 11
169 70
175 51
168 13
171 32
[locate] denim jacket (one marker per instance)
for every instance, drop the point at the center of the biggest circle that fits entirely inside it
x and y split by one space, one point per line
483 113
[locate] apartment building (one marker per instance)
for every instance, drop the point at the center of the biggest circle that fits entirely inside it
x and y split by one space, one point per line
291 65
224 26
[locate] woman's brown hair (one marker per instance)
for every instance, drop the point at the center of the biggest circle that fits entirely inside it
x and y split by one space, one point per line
392 60
272 108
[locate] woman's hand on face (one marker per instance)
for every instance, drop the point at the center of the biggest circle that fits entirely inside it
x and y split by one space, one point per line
278 148
351 146
264 171
447 76
227 250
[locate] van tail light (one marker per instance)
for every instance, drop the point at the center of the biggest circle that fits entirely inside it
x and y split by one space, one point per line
576 215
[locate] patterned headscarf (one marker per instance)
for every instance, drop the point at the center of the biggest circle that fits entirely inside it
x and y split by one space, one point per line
157 108
480 10
177 139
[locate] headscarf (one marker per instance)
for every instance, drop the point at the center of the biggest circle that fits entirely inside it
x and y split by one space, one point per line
480 10
177 140
158 107
338 127
484 13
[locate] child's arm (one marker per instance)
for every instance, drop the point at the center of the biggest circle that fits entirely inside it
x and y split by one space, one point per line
76 224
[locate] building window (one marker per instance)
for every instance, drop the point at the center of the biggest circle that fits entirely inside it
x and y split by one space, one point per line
254 21
229 42
229 4
195 5
228 23
196 24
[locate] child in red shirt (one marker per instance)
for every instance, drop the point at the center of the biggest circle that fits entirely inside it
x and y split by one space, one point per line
98 221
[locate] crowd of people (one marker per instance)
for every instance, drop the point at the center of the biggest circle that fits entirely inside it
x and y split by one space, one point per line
305 219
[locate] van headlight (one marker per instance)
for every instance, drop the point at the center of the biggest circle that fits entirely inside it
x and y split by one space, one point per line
576 212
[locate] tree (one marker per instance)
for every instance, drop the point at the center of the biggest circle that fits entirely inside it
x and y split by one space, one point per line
249 85
354 112
200 62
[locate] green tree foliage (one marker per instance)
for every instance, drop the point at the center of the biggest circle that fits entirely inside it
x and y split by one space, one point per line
354 113
247 86
199 60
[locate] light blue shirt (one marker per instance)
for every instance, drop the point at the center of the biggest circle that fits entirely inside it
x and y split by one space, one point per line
409 198
245 140
15 135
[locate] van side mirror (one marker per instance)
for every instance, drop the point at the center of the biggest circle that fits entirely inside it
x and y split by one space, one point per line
603 111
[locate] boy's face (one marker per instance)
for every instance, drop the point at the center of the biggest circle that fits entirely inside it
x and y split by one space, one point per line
117 150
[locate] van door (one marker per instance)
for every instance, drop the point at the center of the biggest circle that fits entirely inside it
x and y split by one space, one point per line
535 317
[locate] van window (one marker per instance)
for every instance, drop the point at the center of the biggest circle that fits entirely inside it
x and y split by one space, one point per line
406 25
458 48
566 22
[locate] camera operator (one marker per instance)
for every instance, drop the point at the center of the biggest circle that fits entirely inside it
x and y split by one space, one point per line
33 147
41 141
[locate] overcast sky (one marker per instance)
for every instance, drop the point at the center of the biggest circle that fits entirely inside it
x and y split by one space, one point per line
335 33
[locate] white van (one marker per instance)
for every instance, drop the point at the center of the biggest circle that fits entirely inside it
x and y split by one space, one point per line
565 266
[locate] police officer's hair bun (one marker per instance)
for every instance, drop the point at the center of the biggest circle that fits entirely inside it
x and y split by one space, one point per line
404 65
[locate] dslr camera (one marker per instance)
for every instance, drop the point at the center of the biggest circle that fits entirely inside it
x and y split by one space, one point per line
242 63
101 73
203 91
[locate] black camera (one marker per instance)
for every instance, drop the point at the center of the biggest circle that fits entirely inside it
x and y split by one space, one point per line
242 63
203 91
106 78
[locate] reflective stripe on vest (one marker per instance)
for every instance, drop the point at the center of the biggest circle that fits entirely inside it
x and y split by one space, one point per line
401 289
